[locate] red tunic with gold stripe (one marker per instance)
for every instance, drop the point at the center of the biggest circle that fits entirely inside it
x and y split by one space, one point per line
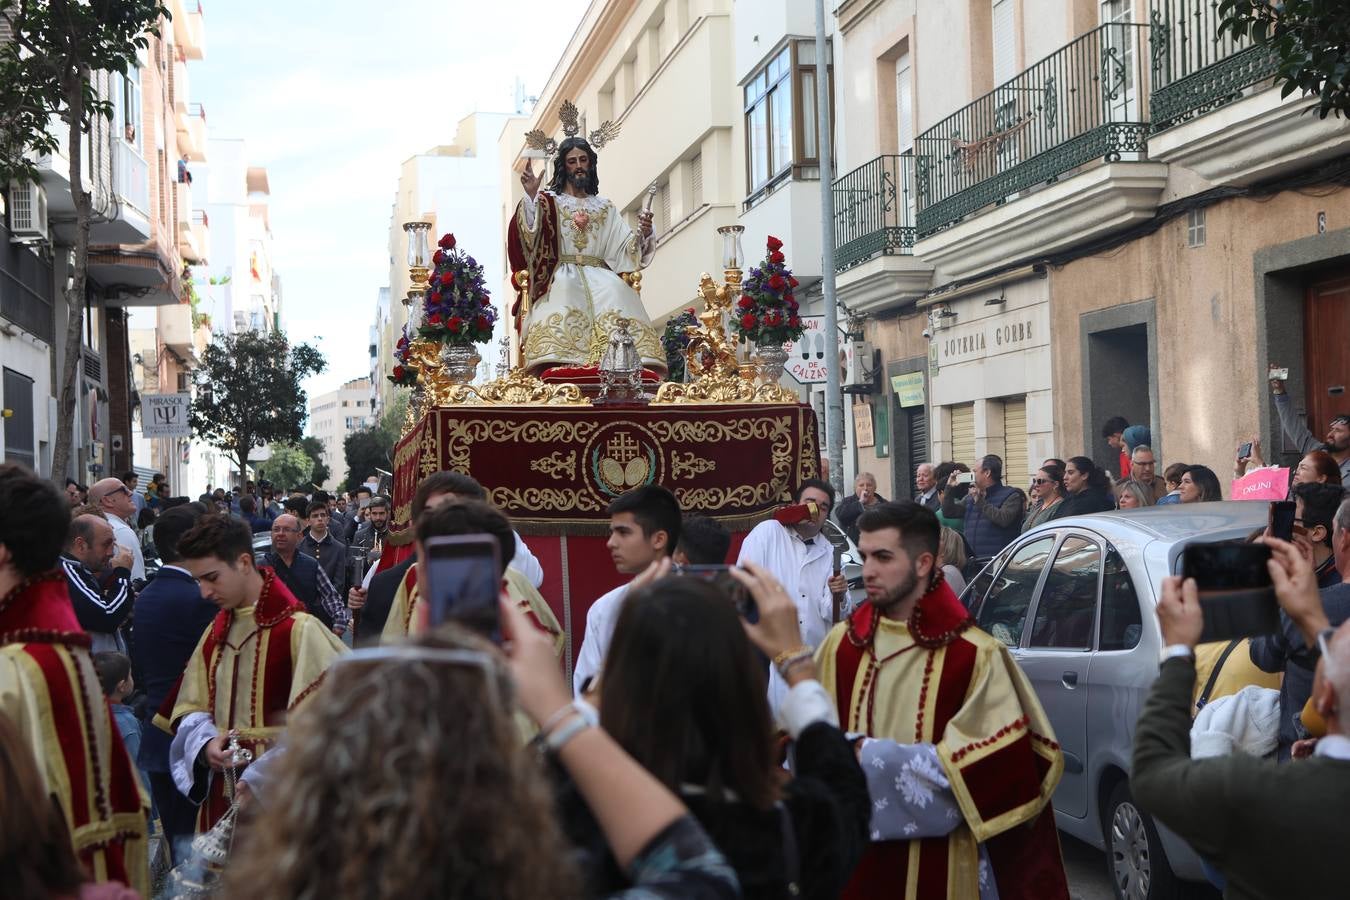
250 669
49 689
937 679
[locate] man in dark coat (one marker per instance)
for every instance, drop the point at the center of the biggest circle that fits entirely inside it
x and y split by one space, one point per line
168 621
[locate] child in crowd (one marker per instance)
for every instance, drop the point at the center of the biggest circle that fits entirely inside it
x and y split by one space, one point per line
1172 475
114 674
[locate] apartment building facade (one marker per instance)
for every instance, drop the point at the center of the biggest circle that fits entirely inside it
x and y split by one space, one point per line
664 71
138 247
335 415
457 188
1056 212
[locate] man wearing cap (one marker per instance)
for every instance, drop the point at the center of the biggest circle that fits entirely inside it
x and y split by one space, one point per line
114 498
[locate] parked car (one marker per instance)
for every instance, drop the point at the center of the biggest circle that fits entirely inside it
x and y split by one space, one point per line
1074 599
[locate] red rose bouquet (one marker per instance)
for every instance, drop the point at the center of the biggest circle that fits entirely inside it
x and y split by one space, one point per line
459 309
405 373
767 310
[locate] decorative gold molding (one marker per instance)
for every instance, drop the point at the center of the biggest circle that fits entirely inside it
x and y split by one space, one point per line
519 388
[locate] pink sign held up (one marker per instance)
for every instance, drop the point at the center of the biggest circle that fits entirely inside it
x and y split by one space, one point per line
1262 484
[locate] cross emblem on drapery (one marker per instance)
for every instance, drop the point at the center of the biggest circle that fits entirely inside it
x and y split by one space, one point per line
622 448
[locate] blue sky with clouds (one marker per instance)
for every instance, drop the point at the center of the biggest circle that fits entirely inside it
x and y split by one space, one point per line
331 97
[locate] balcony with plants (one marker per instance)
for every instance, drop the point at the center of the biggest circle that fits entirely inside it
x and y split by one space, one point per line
1055 156
1215 106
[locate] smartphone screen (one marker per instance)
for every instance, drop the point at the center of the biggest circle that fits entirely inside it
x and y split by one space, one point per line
1245 451
1236 595
460 578
1282 519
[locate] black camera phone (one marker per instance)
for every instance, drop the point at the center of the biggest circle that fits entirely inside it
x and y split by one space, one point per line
1236 594
1282 514
461 581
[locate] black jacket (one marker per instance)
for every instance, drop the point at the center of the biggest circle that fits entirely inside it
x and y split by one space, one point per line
101 610
169 620
826 803
379 600
1088 500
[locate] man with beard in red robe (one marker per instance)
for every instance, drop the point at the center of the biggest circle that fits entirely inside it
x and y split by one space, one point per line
960 758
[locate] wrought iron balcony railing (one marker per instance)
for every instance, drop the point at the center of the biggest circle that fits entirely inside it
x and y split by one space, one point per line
1194 68
874 211
1085 101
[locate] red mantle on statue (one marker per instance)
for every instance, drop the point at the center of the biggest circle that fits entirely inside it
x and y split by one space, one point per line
555 469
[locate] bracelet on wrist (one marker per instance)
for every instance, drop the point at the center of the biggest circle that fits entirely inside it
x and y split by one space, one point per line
552 722
785 664
570 729
788 654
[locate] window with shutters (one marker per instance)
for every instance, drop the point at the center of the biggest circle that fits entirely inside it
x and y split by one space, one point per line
1005 41
1016 470
963 433
904 103
696 182
661 209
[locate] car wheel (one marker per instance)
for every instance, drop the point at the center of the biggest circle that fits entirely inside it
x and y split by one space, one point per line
1135 860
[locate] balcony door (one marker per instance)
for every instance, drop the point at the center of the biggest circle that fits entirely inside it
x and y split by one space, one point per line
904 123
1120 90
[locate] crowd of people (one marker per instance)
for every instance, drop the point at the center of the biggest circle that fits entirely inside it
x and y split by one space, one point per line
240 671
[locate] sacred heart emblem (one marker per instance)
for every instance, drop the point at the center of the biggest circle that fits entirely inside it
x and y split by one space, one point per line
581 220
621 458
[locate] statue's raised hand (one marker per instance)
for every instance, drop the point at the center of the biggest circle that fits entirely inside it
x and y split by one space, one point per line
529 180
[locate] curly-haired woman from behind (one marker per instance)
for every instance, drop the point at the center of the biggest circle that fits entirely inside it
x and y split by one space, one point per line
405 777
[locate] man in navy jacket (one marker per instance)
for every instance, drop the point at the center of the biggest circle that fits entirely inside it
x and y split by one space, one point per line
169 619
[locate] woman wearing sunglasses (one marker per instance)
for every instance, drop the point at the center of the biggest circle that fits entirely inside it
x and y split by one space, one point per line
1047 492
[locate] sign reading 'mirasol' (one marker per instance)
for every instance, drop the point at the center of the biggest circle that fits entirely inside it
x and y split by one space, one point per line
1012 331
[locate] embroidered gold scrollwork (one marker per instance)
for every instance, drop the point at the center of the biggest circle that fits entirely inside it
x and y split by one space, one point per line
555 465
689 465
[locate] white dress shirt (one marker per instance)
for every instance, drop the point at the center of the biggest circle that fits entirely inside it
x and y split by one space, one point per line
525 563
127 538
600 619
804 570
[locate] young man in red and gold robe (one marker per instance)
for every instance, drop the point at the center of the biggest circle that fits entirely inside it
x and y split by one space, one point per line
49 689
960 758
259 659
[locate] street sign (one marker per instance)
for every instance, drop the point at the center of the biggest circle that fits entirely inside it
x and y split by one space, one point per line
165 415
806 356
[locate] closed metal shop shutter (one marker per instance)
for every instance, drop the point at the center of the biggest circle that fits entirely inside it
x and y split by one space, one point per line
19 446
918 436
963 434
1015 462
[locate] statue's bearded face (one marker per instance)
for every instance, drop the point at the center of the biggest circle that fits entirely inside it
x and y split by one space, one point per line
578 166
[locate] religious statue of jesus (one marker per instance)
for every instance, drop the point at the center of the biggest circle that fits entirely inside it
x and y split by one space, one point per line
578 256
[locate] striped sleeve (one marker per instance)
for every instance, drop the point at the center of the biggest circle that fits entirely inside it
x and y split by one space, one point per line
100 610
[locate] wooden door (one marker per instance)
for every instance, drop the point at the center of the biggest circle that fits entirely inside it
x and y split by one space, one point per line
1326 352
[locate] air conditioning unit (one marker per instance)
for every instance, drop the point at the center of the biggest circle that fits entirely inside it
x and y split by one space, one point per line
862 370
27 212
